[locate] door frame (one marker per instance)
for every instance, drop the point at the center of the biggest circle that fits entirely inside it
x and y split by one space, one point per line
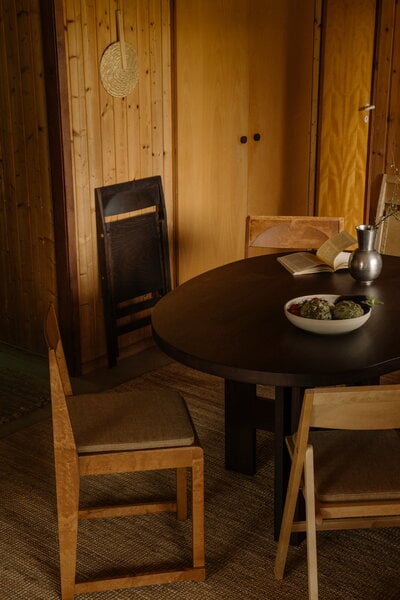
61 179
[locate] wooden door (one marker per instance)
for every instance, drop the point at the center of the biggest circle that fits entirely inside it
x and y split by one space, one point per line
212 112
243 68
346 87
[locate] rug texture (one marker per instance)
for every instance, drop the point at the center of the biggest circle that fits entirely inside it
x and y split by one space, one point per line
240 548
24 384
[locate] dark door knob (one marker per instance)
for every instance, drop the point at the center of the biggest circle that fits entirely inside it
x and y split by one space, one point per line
243 139
256 137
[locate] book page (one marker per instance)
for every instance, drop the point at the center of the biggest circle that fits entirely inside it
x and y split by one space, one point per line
300 263
342 261
332 247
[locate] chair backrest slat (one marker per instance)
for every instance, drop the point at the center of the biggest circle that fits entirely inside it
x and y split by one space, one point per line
368 407
53 340
62 430
290 232
60 387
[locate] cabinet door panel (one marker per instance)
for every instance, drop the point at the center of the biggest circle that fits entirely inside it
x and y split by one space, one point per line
212 109
242 68
281 54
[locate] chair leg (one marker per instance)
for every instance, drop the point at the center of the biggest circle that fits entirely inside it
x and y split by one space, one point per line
111 336
309 494
198 512
181 494
67 509
288 516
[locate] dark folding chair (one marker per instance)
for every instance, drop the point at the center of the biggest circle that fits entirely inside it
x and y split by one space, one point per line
133 255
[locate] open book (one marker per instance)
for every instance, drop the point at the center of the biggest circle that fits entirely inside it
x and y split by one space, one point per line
329 257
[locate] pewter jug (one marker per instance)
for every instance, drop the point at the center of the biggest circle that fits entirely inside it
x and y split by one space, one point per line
365 263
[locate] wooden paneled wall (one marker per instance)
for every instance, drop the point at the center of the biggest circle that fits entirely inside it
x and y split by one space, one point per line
114 139
111 140
26 225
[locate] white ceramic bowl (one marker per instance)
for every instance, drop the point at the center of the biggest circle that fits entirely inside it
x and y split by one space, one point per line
324 327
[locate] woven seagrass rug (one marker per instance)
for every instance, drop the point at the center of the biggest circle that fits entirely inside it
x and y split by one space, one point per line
240 549
24 387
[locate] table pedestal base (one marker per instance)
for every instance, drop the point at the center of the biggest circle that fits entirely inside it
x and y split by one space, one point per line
244 414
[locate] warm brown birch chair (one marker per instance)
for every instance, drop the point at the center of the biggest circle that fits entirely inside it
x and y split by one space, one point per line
350 475
111 432
388 235
295 233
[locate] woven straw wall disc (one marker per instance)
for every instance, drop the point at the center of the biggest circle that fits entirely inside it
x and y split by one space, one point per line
117 81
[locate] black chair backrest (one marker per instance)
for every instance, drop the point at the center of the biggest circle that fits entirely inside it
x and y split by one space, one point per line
133 255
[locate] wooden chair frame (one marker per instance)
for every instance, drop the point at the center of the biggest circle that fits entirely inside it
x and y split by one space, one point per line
132 239
352 408
388 235
286 232
70 466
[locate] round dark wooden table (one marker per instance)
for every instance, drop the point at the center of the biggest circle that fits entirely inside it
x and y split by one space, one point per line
230 322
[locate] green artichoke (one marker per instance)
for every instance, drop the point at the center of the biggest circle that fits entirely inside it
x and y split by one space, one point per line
347 309
316 308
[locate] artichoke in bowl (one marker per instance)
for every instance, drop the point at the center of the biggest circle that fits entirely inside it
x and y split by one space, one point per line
347 309
316 308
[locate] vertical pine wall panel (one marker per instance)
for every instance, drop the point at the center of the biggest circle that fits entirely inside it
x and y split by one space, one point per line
26 224
114 139
387 64
393 137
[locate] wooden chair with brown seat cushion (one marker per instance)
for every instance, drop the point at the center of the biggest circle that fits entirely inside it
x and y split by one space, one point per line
119 432
295 233
348 470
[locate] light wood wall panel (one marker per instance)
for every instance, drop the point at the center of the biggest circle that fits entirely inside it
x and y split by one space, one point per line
393 140
385 138
114 139
27 263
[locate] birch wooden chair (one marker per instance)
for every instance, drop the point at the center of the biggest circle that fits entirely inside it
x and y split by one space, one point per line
112 432
295 233
348 473
271 233
388 235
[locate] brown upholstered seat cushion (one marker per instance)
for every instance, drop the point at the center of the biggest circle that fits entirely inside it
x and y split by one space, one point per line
113 421
356 465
